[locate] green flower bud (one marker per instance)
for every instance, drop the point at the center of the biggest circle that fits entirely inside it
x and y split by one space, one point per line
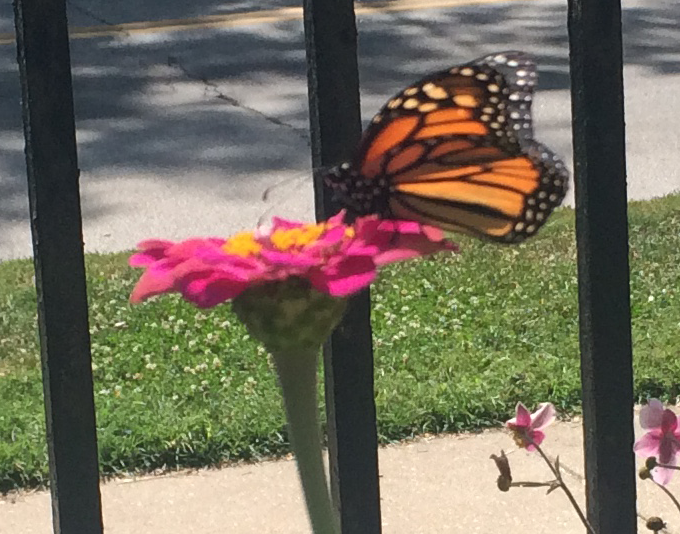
289 315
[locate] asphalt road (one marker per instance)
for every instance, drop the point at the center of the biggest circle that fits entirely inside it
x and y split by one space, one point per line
183 125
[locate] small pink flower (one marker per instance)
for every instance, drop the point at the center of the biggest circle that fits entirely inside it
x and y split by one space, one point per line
528 427
335 258
663 439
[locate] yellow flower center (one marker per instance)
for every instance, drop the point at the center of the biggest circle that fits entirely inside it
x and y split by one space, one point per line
245 244
242 244
296 238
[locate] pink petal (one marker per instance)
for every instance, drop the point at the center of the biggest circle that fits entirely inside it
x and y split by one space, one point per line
345 277
522 418
669 421
185 267
211 254
400 226
360 248
211 290
149 285
403 227
347 285
399 240
648 445
149 251
338 218
544 416
651 414
158 278
537 437
433 233
149 244
284 224
662 475
243 271
192 247
333 235
396 254
286 258
279 223
668 448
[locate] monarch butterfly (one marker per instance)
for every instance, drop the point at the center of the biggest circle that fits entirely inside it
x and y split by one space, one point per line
456 150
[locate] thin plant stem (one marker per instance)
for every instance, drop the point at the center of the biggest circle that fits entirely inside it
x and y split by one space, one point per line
663 488
668 492
297 377
666 466
570 496
528 484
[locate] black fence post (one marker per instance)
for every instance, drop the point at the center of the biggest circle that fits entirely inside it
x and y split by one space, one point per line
602 234
52 167
333 79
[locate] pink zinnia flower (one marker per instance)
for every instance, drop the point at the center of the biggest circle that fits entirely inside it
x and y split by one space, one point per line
289 286
336 259
663 439
528 427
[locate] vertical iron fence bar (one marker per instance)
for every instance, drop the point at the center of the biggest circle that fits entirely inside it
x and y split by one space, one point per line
52 168
333 79
596 59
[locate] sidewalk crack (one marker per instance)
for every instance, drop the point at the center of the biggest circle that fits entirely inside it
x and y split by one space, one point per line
84 11
214 90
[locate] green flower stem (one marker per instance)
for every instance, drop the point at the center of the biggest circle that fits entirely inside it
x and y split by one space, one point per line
297 377
560 481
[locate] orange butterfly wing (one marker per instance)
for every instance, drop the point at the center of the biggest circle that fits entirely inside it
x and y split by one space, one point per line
456 151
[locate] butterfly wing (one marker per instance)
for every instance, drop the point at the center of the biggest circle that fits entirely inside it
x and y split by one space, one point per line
455 150
507 199
519 72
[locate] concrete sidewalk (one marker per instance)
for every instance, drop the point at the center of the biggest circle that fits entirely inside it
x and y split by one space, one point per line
431 485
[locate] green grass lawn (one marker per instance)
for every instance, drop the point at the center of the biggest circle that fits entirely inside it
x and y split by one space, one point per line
458 341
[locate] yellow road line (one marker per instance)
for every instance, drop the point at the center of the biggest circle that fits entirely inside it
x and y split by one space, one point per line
233 20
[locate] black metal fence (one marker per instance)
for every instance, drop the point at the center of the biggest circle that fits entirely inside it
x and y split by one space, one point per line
599 160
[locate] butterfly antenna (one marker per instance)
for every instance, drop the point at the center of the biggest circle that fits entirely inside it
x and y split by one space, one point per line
261 218
266 195
286 181
323 170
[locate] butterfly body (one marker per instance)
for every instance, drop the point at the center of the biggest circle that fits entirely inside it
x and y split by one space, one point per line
456 150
